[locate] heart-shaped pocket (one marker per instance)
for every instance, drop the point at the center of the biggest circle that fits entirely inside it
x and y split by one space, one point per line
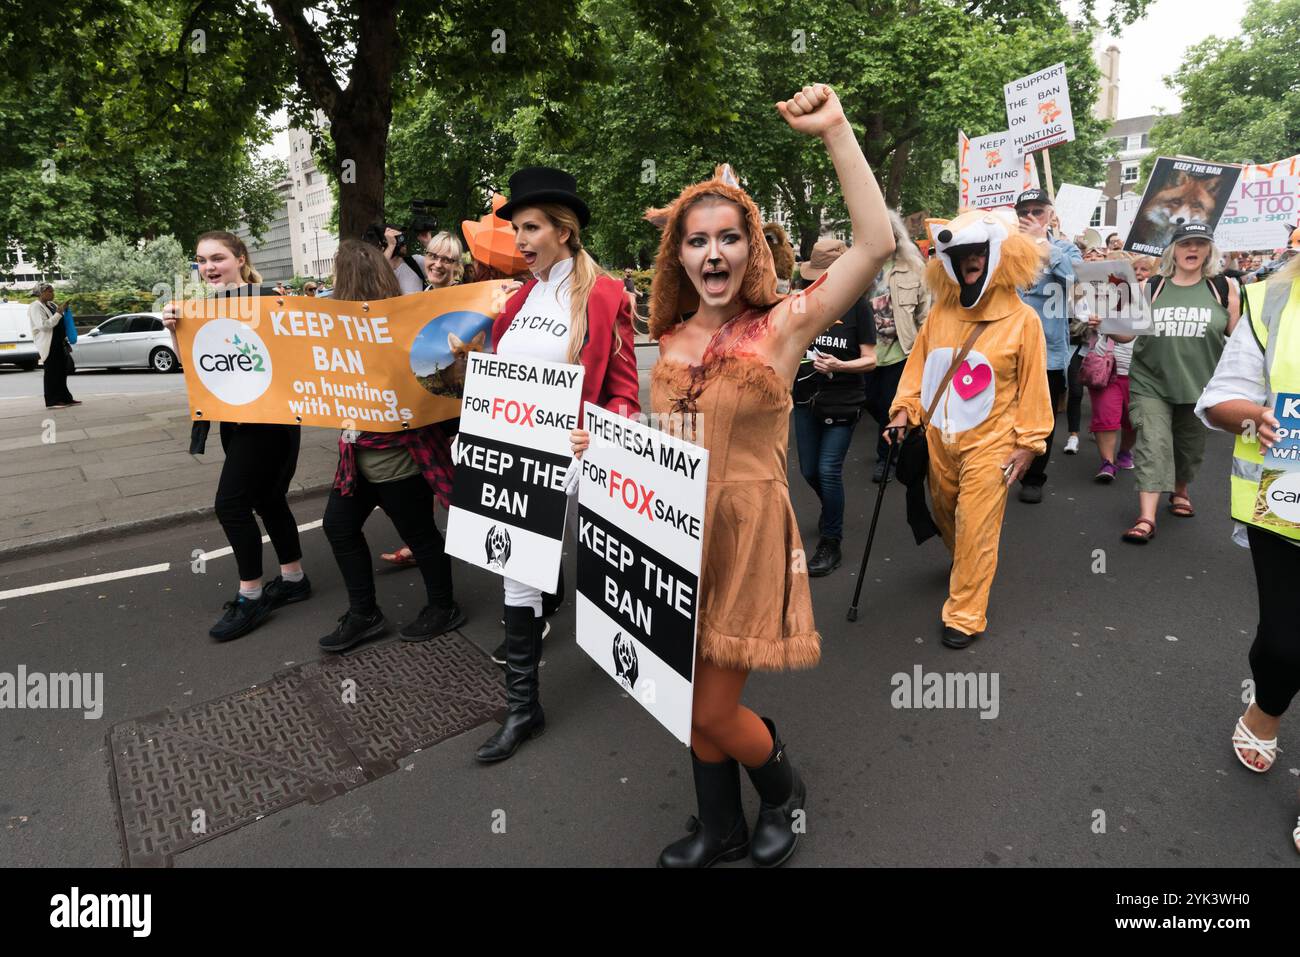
970 380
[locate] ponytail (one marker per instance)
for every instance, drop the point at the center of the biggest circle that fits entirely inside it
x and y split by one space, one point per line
585 273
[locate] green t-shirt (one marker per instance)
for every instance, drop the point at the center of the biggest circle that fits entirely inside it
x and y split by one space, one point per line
386 465
889 353
1177 359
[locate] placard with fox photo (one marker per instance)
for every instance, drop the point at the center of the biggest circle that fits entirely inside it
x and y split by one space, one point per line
1180 190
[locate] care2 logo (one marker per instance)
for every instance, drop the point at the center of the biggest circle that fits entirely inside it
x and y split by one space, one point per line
232 361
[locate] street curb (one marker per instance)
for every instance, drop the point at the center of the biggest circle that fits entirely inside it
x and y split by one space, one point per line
139 526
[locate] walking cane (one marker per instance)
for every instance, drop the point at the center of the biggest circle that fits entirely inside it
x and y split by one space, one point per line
875 517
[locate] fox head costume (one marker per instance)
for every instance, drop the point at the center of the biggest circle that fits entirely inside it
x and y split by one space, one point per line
1014 260
671 292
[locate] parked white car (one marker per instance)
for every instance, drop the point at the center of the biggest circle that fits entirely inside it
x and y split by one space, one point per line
16 345
134 340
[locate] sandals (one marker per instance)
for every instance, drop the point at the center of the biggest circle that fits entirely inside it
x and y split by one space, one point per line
1183 510
1244 738
1139 535
401 557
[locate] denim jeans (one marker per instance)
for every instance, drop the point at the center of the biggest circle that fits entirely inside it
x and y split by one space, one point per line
822 449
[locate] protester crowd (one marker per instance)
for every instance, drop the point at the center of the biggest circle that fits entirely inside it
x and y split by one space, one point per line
961 355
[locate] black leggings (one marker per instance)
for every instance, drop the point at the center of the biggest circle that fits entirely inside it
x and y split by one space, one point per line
260 462
409 504
1275 655
1074 404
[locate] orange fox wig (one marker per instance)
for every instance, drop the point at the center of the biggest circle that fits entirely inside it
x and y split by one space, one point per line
671 292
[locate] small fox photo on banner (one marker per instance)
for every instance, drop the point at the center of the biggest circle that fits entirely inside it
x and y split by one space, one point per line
640 533
380 366
509 498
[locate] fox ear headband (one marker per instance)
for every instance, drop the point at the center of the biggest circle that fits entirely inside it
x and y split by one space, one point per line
1012 259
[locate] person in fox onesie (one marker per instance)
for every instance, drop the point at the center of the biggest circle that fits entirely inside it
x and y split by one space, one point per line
976 381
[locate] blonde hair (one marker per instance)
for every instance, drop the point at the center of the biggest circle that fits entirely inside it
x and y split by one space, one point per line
362 272
1288 273
1209 267
237 248
583 280
443 241
904 248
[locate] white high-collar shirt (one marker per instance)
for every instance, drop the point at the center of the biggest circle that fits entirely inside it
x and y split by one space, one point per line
540 330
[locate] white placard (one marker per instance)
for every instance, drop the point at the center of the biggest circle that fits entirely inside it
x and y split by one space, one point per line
1111 290
1075 206
1038 110
993 171
512 456
1260 214
640 533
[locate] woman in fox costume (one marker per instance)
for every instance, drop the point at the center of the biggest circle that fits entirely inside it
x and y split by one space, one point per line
729 348
976 381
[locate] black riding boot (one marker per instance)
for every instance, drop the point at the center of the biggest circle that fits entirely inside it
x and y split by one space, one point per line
719 832
551 601
524 717
782 793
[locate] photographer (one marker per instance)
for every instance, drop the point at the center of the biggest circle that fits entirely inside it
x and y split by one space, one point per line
410 270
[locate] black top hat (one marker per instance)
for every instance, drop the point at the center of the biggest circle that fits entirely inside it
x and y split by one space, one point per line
544 184
1191 229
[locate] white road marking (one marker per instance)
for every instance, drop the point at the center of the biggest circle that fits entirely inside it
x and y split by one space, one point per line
126 573
87 580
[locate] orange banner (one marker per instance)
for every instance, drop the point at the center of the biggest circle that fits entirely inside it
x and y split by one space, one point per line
379 366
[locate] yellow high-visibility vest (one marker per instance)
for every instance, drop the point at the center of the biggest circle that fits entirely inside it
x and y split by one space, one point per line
1273 312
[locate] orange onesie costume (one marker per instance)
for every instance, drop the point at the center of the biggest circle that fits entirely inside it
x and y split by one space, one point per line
997 400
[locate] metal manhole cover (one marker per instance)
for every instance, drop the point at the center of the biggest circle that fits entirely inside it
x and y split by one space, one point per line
184 777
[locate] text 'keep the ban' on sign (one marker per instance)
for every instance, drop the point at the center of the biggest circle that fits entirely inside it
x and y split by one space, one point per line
512 460
640 532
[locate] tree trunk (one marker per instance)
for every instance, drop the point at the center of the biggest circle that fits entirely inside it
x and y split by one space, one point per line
359 150
897 171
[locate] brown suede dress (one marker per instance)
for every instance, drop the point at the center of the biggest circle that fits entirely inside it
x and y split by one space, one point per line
755 608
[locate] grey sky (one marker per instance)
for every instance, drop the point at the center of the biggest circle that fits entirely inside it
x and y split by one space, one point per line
1153 48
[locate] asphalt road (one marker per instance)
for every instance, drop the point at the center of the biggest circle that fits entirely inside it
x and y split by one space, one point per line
15 383
1118 690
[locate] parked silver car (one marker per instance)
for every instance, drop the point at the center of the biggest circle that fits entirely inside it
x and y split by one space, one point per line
135 340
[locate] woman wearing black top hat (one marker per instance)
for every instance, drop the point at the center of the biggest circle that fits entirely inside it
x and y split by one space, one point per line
569 312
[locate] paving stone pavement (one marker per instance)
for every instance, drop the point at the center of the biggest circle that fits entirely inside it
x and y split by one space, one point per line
116 464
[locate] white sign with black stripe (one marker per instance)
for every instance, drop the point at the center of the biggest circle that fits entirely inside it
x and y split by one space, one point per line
641 498
512 457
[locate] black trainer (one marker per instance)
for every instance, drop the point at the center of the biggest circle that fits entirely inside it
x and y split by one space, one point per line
826 559
433 622
353 629
878 474
1031 494
241 616
280 592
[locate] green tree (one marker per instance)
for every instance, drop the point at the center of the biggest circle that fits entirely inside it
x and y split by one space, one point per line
1240 96
118 263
